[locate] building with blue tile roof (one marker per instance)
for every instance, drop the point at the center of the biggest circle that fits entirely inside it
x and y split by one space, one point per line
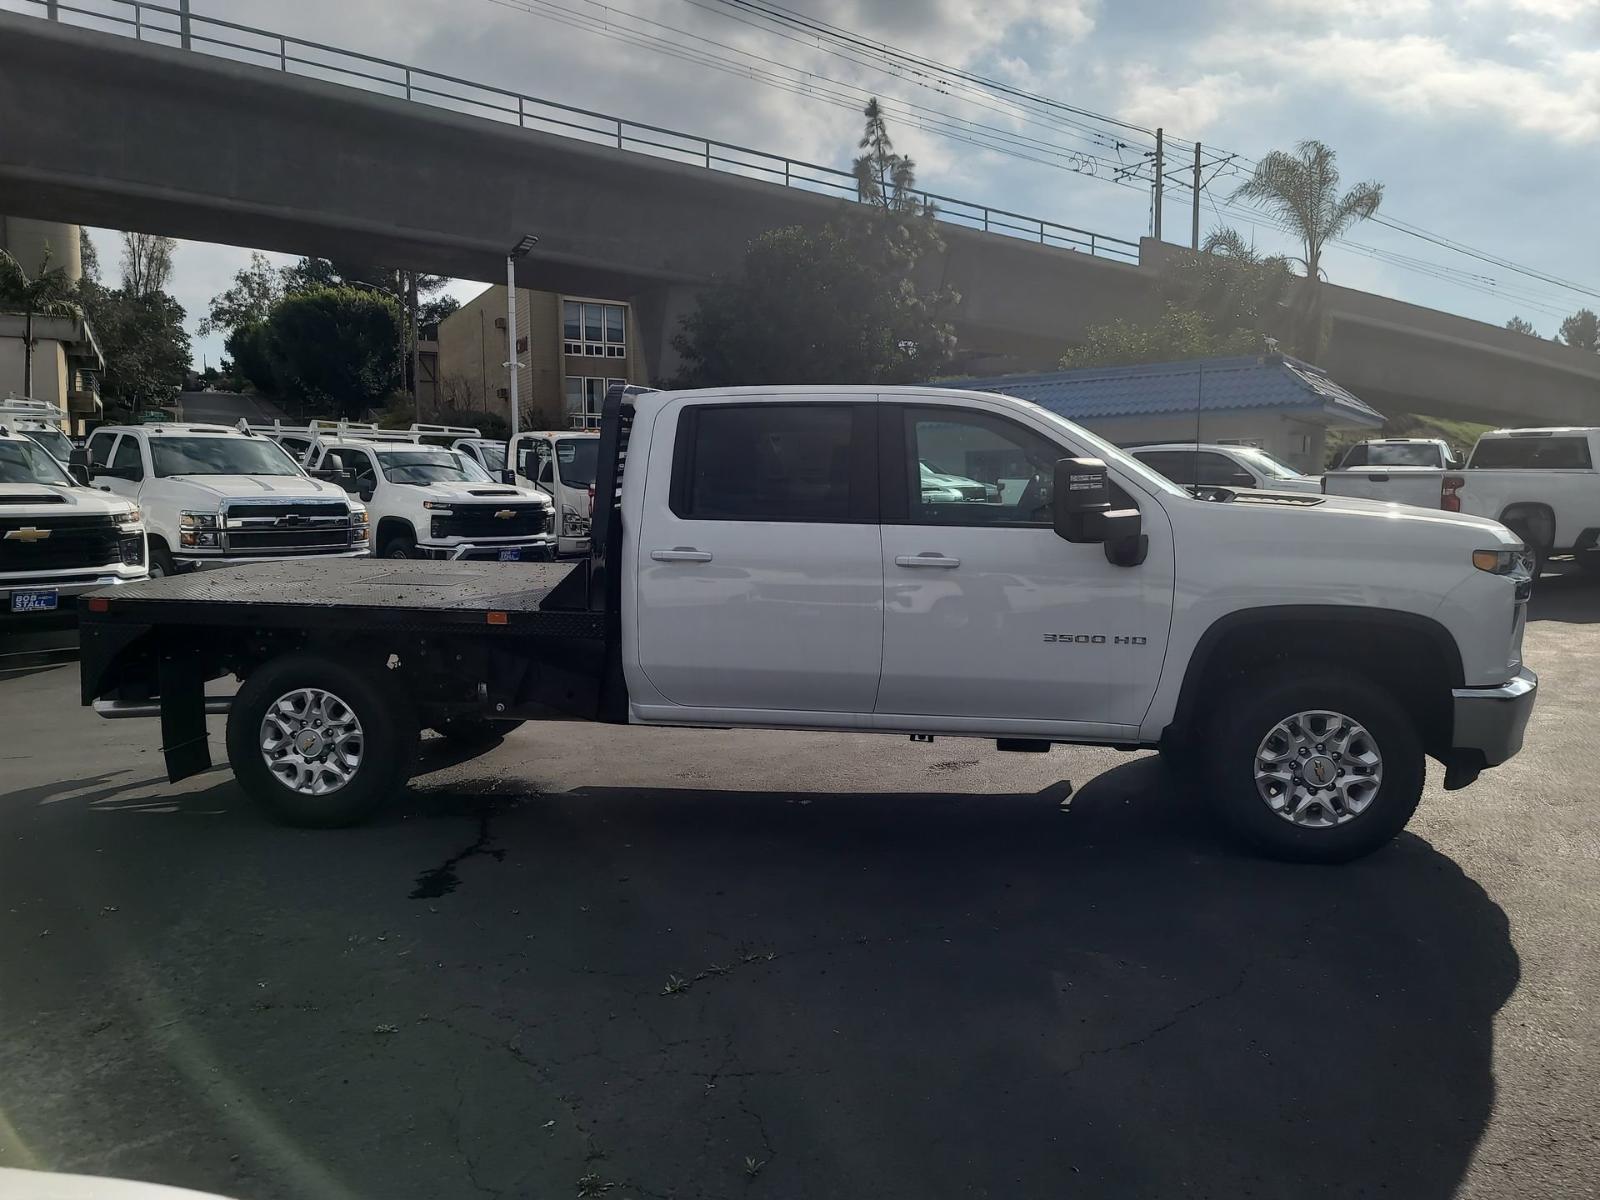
1279 403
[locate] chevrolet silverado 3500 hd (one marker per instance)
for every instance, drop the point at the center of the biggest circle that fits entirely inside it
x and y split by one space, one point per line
768 558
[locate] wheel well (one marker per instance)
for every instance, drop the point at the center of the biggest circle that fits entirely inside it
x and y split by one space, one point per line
1412 657
393 527
1535 522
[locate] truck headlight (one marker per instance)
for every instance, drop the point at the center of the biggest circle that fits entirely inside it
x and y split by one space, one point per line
1516 563
188 519
573 524
131 517
360 525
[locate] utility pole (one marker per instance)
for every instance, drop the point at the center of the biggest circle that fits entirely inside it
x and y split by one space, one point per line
400 301
1194 232
183 23
1161 166
528 242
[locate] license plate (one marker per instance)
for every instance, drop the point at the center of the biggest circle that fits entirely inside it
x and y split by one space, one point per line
510 555
44 601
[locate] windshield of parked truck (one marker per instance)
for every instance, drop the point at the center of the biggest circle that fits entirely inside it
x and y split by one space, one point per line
576 458
1416 454
493 455
219 456
430 466
24 462
1265 463
1537 451
53 440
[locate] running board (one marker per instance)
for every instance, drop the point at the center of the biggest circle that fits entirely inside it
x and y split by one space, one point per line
117 710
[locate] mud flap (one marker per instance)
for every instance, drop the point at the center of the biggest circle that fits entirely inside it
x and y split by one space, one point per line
183 716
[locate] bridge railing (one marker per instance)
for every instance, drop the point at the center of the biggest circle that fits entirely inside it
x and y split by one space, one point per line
179 26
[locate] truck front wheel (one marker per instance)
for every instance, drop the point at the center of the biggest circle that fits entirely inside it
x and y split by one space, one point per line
317 743
1326 767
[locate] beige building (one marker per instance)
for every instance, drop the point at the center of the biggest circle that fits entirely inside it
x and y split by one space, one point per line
571 349
66 358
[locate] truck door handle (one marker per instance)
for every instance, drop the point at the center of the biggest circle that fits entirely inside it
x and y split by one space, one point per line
681 554
926 559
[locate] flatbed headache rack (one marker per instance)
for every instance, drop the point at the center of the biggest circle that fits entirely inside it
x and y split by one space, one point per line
520 640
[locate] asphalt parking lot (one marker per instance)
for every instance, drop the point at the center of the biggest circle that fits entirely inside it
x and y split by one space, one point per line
645 963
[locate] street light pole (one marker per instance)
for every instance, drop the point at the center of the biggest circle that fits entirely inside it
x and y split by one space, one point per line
512 365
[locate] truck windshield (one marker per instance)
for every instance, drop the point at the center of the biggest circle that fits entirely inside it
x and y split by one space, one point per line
1265 463
24 462
430 466
219 456
494 456
57 443
576 458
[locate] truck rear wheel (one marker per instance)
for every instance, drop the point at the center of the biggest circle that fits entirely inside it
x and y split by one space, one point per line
1325 767
318 743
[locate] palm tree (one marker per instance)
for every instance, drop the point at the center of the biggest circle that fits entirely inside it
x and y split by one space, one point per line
48 294
1302 190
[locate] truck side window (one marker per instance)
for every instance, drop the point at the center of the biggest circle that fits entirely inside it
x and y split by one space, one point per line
100 449
970 468
773 461
546 463
127 457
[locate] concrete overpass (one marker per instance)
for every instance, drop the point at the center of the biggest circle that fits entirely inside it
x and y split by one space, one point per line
158 139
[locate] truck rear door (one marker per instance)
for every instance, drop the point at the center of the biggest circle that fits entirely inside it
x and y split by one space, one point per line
759 572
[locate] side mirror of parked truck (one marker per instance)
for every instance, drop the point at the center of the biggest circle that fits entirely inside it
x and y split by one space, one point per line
78 466
1082 512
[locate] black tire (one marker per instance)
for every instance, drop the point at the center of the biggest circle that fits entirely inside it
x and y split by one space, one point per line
400 546
161 563
388 754
1249 714
476 731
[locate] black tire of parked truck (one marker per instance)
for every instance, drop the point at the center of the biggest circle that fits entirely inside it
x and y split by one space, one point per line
1331 747
319 743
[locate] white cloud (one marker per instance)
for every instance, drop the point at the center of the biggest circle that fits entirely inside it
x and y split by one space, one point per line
1193 107
1426 78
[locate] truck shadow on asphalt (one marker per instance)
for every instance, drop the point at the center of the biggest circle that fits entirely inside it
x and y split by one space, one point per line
954 994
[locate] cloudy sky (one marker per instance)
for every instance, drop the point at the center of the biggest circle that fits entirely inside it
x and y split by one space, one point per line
1480 117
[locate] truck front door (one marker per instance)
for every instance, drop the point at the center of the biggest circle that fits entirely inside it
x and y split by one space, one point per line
759 582
991 621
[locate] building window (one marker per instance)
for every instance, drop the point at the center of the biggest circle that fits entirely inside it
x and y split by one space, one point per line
585 398
594 330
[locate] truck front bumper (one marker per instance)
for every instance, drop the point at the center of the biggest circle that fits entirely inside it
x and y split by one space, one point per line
528 550
67 591
1490 721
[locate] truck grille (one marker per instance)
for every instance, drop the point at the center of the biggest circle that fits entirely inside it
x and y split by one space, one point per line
271 528
487 521
72 542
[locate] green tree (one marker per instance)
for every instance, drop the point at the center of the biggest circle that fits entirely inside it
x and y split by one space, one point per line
145 345
1582 330
248 358
256 288
1518 325
46 293
842 303
1302 190
1180 333
335 348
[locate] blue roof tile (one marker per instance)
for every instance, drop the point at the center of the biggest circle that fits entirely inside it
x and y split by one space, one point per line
1210 385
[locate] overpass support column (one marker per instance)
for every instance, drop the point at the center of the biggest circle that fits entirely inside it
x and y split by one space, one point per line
658 312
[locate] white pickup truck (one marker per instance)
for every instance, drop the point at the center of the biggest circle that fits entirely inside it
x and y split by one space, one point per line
1541 483
769 558
213 495
58 540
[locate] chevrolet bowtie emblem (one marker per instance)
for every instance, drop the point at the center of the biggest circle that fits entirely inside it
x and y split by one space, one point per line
27 534
505 514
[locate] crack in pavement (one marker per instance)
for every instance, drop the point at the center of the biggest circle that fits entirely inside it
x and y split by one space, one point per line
1098 1051
442 880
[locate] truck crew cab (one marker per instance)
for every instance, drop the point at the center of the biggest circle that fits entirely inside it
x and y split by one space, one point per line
767 558
58 540
429 501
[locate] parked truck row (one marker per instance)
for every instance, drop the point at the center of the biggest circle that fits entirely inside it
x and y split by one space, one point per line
774 558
